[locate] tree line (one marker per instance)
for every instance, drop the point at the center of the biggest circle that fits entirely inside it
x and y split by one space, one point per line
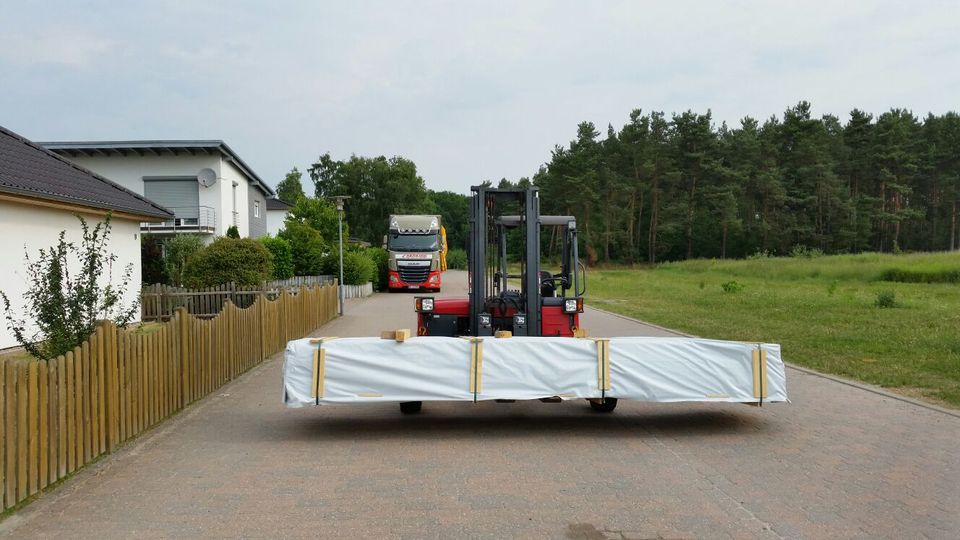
681 187
376 187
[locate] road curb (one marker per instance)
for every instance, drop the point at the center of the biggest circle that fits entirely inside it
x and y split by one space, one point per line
855 384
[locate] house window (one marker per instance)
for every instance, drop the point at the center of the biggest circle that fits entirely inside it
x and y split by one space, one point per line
256 209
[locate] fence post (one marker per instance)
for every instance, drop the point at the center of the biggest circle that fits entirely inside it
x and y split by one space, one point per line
183 325
261 305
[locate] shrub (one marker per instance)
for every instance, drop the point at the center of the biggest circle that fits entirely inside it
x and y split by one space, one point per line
832 288
921 276
357 267
381 260
151 260
886 299
457 259
177 250
242 261
731 286
65 307
282 256
320 215
307 247
804 252
233 232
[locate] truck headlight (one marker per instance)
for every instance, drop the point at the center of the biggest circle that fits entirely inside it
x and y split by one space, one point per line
573 305
424 304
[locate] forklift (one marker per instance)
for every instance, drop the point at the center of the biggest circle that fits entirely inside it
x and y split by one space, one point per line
505 231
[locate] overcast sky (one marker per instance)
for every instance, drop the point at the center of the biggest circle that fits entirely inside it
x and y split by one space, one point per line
468 91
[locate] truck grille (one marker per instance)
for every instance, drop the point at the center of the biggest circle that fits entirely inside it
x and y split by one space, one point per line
414 274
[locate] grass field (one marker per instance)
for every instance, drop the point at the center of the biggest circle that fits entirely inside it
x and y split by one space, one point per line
823 310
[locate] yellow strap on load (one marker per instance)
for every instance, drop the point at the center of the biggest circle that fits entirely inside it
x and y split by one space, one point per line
760 373
476 366
319 366
603 364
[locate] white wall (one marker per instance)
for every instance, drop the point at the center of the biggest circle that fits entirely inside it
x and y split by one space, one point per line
128 171
230 174
275 219
38 228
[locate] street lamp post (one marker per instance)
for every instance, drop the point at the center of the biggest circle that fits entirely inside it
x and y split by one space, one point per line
339 202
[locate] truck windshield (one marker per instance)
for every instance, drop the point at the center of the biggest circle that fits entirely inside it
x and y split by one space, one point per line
413 242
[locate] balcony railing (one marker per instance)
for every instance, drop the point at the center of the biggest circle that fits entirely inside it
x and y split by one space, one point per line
198 219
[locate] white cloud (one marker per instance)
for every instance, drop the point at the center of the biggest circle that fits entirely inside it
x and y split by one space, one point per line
56 46
470 91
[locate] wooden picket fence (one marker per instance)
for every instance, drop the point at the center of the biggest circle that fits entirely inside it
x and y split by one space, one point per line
58 415
158 302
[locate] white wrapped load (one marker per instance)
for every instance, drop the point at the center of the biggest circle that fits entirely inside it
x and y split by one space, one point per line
369 369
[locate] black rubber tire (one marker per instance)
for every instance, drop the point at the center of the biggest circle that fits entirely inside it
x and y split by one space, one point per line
606 406
411 407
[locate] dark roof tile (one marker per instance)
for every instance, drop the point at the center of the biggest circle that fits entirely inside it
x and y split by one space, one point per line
277 204
28 169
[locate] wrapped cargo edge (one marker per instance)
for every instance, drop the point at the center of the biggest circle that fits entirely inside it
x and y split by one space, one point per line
656 369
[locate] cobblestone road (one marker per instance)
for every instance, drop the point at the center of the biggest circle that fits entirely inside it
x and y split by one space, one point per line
839 462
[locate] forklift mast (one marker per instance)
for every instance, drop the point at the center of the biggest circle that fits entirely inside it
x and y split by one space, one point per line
493 305
487 279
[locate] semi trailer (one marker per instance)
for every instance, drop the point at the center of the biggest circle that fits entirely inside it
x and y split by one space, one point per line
417 250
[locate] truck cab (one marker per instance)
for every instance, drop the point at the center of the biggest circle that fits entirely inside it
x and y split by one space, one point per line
417 249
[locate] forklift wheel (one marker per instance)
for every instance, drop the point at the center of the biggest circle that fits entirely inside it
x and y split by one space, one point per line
605 405
411 407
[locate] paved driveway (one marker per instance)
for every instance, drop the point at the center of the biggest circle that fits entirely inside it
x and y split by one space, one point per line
839 462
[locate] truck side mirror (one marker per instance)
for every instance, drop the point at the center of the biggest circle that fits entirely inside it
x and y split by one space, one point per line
384 241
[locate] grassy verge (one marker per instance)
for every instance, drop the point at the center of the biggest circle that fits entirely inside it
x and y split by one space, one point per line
824 311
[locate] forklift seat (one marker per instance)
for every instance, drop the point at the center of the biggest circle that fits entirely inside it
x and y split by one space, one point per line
547 288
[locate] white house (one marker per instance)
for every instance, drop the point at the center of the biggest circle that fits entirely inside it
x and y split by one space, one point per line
205 183
41 194
277 212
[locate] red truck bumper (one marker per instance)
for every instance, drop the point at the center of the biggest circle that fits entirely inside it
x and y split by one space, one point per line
432 283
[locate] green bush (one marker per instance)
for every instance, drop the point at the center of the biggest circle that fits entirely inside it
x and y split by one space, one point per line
63 306
732 286
233 232
921 276
242 261
177 250
381 259
804 252
457 259
151 260
282 256
307 246
358 268
320 215
886 299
